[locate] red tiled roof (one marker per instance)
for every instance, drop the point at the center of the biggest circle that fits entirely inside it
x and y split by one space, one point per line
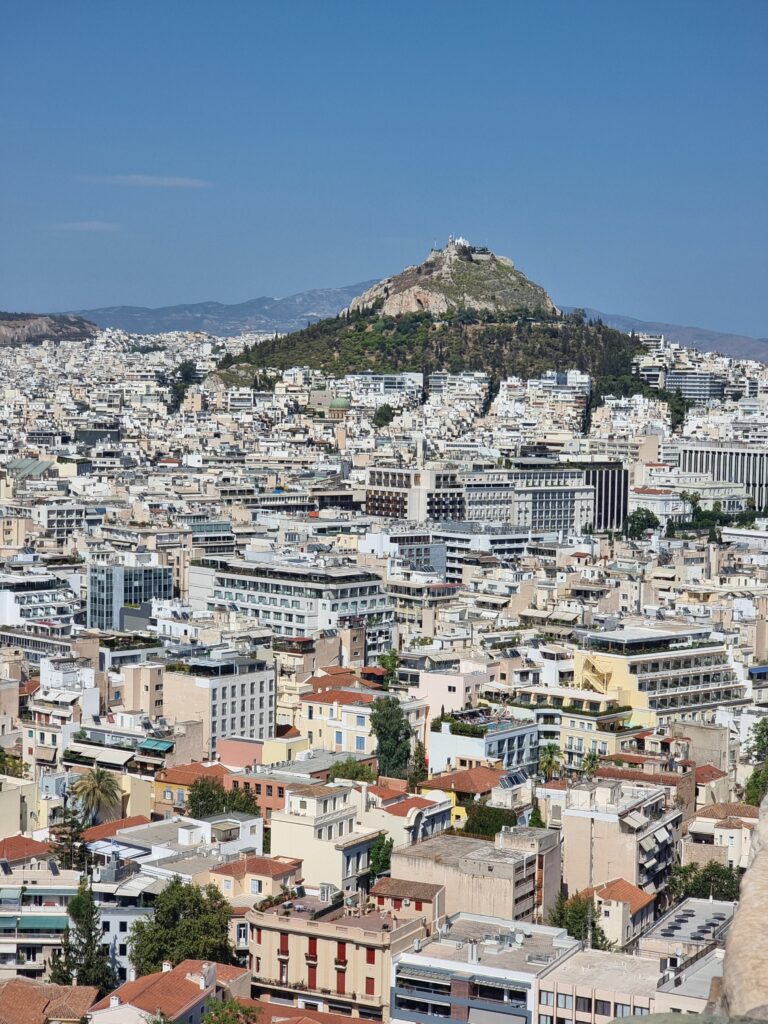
16 848
708 773
270 867
169 992
619 890
471 780
402 808
275 1013
662 778
734 810
339 697
185 774
110 828
400 888
24 1001
385 793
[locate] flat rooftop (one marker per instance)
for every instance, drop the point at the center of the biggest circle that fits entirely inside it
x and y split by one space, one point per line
596 968
450 850
694 921
502 945
696 980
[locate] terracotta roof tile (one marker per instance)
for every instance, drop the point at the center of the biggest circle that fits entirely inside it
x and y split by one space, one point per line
734 810
170 992
270 867
403 808
23 1001
110 828
708 773
471 780
339 697
619 890
185 774
16 848
402 888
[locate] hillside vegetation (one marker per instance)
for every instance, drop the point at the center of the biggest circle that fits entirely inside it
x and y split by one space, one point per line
500 343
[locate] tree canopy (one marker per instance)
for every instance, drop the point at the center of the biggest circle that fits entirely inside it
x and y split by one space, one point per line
383 415
418 771
756 787
99 793
381 854
207 796
390 662
352 769
692 880
83 956
639 522
484 820
393 737
578 915
190 922
757 744
66 837
229 1011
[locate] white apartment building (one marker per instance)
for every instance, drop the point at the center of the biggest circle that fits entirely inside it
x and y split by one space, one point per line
38 601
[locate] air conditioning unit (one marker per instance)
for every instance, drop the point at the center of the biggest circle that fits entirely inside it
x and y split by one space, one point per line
406 902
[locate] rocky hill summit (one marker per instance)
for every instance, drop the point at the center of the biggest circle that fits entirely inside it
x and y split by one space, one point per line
459 276
34 328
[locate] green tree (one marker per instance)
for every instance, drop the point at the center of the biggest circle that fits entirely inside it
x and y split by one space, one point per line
390 662
66 837
393 736
757 743
190 922
549 760
380 856
383 415
579 917
99 794
716 880
670 530
229 1011
756 787
418 771
207 796
484 820
639 522
590 763
536 820
82 954
352 769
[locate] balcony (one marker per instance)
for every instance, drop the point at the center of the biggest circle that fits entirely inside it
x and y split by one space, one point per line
340 962
283 954
311 959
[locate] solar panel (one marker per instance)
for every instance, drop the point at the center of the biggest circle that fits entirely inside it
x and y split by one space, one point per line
5 867
54 867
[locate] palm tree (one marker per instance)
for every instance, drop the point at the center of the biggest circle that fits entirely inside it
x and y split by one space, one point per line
590 763
549 760
99 794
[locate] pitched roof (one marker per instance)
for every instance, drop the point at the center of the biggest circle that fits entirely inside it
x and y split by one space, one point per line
708 773
734 810
23 1001
405 888
110 828
169 992
404 807
339 697
186 774
619 890
471 780
660 778
20 847
275 1013
270 867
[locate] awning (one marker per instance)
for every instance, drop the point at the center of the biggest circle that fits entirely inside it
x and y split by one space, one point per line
647 844
45 753
9 894
160 745
104 755
635 820
43 922
662 835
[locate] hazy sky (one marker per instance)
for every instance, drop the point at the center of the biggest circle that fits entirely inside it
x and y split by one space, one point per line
164 151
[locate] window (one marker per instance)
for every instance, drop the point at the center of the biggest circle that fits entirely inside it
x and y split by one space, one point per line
583 1005
360 721
123 926
105 926
255 886
603 1007
623 1010
417 904
167 794
546 998
360 744
269 791
370 986
370 956
544 1018
641 1011
565 1002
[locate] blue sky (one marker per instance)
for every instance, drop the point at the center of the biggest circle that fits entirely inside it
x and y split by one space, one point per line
177 151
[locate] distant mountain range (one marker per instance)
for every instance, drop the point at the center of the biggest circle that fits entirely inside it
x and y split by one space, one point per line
33 328
262 315
738 346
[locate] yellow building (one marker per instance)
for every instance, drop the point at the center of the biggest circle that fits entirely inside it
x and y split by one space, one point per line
663 673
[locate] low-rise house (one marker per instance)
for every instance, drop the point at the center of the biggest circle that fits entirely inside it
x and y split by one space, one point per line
624 910
23 1001
181 994
721 833
464 787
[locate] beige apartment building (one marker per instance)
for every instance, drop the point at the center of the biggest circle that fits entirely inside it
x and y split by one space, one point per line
252 878
321 822
613 829
319 953
141 688
517 876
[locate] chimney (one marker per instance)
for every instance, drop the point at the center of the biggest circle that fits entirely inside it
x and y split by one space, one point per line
472 956
131 974
114 1000
166 966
